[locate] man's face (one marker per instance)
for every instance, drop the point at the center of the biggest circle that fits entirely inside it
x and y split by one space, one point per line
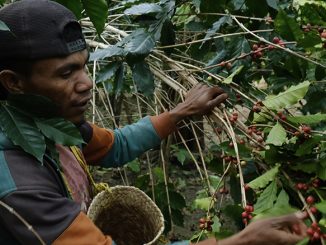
65 81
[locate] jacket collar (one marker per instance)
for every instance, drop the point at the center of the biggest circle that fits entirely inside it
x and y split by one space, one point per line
5 143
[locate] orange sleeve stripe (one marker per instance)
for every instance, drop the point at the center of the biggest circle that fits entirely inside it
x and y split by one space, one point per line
100 143
82 231
163 124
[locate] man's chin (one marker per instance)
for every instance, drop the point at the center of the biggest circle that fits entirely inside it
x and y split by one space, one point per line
78 120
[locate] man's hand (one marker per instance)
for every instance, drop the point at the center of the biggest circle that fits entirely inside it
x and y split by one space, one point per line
200 100
283 230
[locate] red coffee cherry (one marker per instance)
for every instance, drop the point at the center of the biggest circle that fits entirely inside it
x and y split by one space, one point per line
276 40
310 200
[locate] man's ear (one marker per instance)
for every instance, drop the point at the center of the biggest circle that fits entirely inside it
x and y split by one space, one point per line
11 81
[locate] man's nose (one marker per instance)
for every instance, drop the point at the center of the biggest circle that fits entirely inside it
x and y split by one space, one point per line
85 83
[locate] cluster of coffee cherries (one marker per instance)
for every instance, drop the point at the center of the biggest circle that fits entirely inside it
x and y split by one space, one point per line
247 214
278 41
310 200
257 51
227 65
280 116
321 30
234 117
253 130
304 187
303 132
257 106
205 224
314 232
230 159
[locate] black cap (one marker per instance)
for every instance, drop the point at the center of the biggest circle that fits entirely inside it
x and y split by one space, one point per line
39 29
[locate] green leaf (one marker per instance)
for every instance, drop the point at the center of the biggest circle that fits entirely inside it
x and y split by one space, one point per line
134 166
217 25
266 199
144 8
108 71
277 136
229 79
140 43
119 79
309 168
275 211
143 78
22 131
305 241
308 119
111 51
60 131
238 46
287 98
282 199
264 179
202 203
74 5
321 206
215 181
216 227
273 4
3 26
307 146
97 12
288 27
177 201
321 169
158 173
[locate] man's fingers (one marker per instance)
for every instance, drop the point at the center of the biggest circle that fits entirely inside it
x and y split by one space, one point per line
218 100
287 220
291 238
217 90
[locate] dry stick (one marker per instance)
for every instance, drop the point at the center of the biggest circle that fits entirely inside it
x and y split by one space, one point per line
125 178
166 186
238 16
200 152
93 92
192 156
29 227
261 39
231 133
151 178
212 38
235 145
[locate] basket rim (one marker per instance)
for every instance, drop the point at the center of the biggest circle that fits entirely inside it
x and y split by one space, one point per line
144 196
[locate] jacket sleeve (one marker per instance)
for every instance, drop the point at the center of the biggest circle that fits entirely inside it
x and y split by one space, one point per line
114 148
34 191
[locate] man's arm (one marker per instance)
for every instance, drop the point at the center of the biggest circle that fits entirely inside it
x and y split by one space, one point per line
114 148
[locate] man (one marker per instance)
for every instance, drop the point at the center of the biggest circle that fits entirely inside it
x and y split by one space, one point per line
45 54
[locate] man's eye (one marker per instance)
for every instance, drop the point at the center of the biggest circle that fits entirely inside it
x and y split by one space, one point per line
66 74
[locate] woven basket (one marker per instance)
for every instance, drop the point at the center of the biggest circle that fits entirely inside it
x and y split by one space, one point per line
128 215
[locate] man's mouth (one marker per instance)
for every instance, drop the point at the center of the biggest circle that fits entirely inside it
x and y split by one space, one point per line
82 105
